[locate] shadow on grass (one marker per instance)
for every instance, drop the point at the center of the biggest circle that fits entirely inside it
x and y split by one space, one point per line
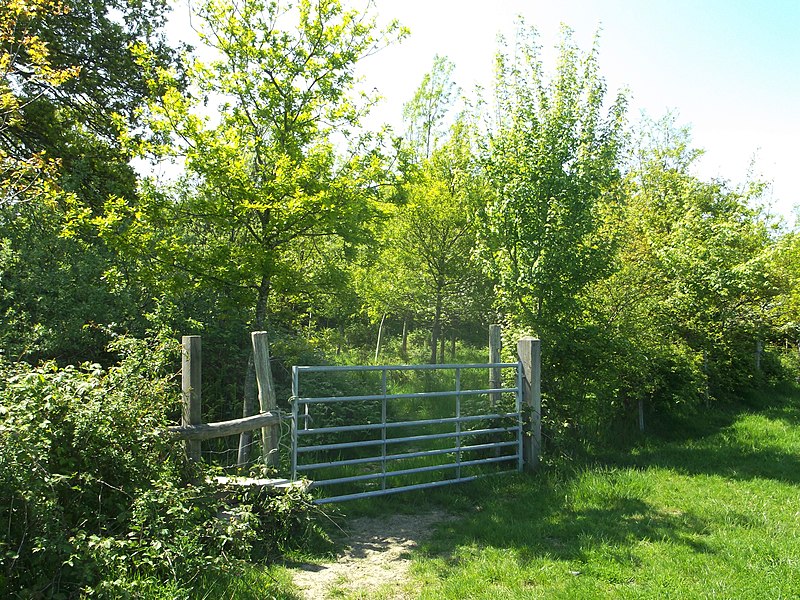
541 521
780 402
605 506
730 461
571 513
710 444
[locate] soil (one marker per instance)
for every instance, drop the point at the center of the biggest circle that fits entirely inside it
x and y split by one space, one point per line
377 555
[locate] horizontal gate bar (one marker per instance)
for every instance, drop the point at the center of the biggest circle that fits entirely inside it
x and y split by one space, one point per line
330 399
428 367
405 455
405 488
416 438
376 466
396 424
441 467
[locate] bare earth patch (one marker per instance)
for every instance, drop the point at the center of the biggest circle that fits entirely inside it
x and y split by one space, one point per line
377 556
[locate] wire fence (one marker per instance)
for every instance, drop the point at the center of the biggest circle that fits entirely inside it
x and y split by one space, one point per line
225 454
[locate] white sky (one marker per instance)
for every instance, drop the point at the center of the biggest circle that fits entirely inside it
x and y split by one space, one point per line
729 68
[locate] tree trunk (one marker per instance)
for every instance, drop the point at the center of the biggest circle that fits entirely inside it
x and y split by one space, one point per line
437 317
404 343
641 415
757 358
250 385
248 409
453 347
262 304
380 338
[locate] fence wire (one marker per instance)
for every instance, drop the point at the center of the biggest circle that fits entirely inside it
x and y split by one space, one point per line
223 453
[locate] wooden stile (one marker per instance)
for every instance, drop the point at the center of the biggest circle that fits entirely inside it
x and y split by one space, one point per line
192 428
208 431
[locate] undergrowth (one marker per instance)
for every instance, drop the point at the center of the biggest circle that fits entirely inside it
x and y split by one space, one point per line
98 500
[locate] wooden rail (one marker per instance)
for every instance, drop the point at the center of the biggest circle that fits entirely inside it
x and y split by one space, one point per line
208 431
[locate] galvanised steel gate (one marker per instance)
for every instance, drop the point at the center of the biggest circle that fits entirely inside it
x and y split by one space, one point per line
464 432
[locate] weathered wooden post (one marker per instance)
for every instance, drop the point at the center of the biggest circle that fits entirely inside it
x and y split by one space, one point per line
495 376
267 398
529 350
248 409
190 388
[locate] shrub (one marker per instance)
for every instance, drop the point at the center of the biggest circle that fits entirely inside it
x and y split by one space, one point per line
77 445
94 497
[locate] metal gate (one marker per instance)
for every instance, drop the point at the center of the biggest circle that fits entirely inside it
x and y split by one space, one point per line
387 440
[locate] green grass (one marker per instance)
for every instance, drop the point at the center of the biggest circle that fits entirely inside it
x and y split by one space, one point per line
707 507
242 581
248 582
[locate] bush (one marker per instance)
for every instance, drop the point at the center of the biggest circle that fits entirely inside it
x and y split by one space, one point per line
781 364
77 445
95 498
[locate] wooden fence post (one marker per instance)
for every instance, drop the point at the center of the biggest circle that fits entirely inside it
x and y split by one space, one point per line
267 398
190 388
495 343
248 409
529 350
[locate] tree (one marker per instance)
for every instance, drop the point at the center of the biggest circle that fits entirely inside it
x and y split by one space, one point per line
265 173
692 287
263 181
75 81
23 54
69 78
436 231
427 243
85 72
553 162
426 111
786 261
426 267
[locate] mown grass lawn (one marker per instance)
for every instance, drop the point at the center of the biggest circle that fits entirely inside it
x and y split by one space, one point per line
709 507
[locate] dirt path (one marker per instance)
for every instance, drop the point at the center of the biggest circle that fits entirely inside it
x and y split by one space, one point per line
377 556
